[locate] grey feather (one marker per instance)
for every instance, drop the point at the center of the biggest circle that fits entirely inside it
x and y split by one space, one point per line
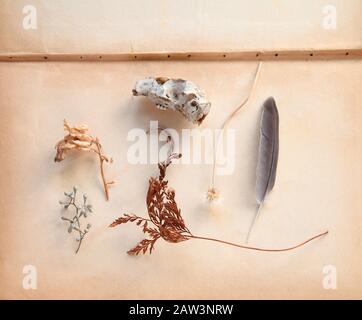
268 155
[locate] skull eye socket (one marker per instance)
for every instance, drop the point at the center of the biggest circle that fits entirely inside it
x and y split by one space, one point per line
194 104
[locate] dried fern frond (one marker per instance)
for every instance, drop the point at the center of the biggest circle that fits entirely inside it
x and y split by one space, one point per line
164 215
77 138
165 220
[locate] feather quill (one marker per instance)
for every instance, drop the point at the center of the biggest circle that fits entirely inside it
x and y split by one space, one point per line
267 156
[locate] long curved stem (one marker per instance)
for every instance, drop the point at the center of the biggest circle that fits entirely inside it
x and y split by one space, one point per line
230 117
257 248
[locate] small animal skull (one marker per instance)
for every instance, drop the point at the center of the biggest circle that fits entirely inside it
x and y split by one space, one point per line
175 94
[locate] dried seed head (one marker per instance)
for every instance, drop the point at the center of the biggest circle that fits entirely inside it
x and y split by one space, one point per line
76 138
212 194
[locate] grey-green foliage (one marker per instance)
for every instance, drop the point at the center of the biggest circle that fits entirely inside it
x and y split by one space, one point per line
81 212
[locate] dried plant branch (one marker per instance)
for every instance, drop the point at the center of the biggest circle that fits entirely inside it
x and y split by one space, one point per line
79 212
77 138
166 220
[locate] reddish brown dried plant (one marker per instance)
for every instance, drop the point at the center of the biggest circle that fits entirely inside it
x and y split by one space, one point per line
165 220
77 138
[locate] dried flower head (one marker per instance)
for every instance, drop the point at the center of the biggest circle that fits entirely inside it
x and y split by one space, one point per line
165 220
212 194
77 138
80 211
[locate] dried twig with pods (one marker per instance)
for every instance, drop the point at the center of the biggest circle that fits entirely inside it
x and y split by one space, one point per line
80 211
78 138
165 220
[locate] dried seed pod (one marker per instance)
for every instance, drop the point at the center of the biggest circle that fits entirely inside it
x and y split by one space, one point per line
176 94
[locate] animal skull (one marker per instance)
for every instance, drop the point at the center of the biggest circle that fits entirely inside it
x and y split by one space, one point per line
175 94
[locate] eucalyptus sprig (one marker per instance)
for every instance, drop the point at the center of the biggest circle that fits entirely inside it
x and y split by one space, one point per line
80 211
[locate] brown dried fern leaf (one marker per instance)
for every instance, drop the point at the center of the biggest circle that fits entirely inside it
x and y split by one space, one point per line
143 246
164 215
126 218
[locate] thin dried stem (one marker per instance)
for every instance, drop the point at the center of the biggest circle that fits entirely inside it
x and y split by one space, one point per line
261 249
101 160
213 193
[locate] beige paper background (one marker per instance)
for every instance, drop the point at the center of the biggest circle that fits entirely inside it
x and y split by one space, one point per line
185 25
318 184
